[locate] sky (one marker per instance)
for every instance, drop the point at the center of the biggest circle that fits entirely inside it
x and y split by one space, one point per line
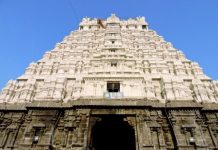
29 28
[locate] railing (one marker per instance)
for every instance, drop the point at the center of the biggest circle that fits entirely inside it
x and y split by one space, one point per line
113 46
113 95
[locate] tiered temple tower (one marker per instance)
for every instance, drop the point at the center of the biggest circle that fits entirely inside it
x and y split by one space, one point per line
112 84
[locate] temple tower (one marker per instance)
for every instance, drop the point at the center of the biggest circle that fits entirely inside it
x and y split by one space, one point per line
111 84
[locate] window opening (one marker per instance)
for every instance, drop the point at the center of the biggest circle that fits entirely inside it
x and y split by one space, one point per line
113 50
113 87
113 64
144 27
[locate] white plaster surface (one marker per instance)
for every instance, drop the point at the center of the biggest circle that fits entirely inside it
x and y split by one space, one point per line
79 67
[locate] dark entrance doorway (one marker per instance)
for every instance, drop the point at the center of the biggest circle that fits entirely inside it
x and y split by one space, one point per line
112 133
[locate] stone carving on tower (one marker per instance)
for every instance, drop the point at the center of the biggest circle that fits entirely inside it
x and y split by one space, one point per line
79 67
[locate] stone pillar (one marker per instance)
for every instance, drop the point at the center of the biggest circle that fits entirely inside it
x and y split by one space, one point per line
143 133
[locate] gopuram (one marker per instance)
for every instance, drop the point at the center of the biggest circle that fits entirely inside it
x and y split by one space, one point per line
112 84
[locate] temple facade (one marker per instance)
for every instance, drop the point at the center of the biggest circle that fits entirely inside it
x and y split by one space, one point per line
112 84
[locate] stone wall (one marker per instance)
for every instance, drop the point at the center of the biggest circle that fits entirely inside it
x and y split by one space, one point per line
69 127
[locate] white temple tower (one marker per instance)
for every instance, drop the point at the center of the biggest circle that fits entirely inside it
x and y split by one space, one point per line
106 74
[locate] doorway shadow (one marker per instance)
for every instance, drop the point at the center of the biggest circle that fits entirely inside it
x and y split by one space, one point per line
113 133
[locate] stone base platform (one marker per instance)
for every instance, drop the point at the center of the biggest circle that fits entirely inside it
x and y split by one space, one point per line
85 124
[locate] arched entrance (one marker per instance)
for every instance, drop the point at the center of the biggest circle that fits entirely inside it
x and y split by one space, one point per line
112 133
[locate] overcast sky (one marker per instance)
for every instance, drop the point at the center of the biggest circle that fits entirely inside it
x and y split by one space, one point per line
29 28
